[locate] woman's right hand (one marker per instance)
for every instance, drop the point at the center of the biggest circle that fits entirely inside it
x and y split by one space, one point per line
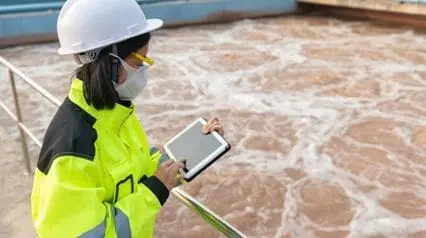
169 173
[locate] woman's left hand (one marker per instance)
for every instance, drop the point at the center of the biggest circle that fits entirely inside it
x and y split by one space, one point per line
213 125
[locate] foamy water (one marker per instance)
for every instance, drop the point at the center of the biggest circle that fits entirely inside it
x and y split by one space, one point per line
327 119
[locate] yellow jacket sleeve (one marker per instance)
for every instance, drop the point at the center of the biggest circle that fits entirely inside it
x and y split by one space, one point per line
70 202
157 158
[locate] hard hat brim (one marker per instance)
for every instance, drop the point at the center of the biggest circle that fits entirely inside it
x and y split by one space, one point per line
152 25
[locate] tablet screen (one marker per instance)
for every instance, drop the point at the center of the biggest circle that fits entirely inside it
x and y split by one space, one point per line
194 146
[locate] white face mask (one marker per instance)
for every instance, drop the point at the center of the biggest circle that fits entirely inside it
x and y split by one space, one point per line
136 81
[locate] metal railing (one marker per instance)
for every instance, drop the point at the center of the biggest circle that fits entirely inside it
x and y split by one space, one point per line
200 209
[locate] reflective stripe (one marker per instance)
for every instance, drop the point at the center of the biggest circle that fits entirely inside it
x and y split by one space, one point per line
97 232
163 158
122 225
153 150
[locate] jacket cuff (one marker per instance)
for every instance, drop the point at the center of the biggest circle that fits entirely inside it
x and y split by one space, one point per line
158 188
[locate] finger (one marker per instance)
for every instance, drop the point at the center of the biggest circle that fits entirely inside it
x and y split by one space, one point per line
212 120
211 127
219 129
168 163
180 179
206 128
183 161
179 176
176 167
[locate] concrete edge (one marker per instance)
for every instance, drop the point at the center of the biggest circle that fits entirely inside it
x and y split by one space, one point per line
390 18
392 6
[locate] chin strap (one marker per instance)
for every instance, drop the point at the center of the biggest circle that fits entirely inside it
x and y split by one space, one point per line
114 66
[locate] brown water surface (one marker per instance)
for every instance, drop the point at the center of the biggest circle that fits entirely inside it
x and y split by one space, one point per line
327 119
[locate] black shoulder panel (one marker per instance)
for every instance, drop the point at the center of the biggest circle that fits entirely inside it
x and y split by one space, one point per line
70 132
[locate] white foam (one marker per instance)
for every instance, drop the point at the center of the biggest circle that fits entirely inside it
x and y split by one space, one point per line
316 117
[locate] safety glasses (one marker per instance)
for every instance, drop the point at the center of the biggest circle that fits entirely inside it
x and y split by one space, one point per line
142 58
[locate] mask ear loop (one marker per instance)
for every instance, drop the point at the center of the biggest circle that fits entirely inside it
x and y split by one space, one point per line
115 62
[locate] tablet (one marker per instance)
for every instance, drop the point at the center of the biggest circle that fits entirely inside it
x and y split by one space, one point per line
199 150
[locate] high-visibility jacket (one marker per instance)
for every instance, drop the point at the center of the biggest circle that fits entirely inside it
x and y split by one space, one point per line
94 177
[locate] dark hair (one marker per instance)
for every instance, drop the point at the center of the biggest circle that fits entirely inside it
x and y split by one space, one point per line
97 76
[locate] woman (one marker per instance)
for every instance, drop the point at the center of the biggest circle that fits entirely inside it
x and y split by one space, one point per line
96 175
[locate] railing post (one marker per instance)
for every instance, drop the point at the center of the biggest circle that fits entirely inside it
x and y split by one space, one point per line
19 117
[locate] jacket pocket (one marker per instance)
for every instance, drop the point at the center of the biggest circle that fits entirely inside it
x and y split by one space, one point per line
122 175
124 187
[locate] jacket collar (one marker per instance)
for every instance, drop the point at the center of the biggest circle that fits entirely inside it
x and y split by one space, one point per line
111 118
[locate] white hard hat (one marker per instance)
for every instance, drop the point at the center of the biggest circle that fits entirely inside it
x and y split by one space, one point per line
85 25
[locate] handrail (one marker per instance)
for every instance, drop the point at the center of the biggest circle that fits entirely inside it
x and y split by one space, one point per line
200 209
29 81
